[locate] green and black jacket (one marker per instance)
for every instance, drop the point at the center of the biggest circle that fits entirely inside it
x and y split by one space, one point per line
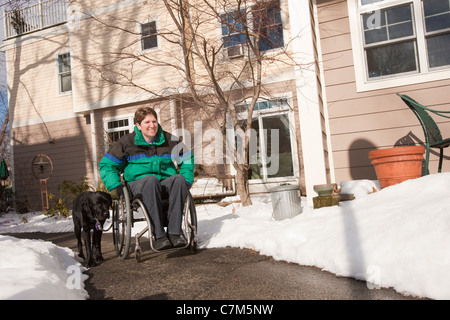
138 158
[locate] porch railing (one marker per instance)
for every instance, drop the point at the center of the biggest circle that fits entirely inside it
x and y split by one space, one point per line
45 13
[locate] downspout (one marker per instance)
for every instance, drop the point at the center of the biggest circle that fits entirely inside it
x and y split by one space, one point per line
329 158
94 149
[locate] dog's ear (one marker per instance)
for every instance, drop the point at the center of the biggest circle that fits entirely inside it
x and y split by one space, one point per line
86 205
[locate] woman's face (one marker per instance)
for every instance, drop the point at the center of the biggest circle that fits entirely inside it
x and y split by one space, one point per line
148 127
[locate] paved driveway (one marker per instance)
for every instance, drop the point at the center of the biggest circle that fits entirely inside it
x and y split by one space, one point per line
212 274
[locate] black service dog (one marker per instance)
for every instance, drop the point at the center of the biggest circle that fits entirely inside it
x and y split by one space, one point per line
89 212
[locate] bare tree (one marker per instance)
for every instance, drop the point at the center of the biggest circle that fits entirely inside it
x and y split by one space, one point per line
213 75
9 5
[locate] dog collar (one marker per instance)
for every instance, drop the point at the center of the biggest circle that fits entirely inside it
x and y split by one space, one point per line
98 225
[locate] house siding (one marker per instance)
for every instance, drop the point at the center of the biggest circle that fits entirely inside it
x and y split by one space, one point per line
29 61
363 121
113 31
41 118
65 142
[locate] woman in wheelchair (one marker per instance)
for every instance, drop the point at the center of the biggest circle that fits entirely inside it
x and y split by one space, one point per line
146 158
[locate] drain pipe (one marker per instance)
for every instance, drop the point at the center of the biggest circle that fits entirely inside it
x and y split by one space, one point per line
94 149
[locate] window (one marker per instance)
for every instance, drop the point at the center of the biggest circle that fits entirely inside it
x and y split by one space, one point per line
115 128
270 154
400 38
64 73
389 41
233 32
263 18
437 32
268 24
149 38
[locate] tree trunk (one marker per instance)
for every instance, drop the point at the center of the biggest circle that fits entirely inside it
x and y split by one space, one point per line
242 185
5 125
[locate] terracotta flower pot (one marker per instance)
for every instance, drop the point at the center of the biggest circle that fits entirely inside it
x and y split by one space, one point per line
395 165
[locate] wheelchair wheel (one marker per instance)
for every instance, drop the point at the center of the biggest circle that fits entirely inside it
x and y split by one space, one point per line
190 224
138 205
122 221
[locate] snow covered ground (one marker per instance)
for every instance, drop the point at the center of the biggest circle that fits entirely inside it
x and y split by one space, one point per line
397 237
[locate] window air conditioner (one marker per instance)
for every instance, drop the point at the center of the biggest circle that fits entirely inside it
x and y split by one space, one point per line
235 51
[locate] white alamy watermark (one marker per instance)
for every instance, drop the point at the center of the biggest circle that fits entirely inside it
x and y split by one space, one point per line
212 146
74 280
374 20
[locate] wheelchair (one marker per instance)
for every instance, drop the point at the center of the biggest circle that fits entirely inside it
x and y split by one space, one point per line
129 209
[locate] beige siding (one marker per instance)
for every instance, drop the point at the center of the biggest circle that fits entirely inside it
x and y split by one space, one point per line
69 150
107 51
33 79
363 121
41 119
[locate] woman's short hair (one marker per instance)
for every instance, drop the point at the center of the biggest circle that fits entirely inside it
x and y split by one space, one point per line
142 112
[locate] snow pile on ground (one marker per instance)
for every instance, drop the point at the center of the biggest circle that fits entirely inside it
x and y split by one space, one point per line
397 237
33 269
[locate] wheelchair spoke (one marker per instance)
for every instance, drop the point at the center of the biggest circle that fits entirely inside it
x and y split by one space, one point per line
130 210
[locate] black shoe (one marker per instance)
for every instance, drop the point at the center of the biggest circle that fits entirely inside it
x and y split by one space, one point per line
162 243
177 240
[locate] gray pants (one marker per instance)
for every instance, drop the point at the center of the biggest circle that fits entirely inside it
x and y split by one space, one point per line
151 190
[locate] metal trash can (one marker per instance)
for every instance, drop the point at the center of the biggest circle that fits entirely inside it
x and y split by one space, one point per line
286 201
